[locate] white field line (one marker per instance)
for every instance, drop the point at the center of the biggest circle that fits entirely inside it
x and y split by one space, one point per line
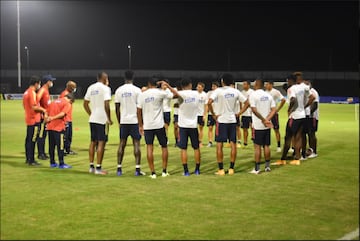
351 235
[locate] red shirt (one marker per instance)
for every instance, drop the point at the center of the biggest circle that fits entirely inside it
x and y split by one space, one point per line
68 117
29 100
56 107
43 97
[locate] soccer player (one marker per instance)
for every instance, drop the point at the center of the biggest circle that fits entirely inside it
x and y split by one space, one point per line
312 116
188 112
263 108
43 97
238 122
278 97
226 120
166 109
126 113
201 110
70 88
176 115
246 116
56 120
210 120
107 84
151 123
96 105
32 119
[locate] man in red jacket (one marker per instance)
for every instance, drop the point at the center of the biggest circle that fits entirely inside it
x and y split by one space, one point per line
70 88
58 110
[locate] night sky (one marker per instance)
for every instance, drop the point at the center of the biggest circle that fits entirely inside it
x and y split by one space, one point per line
184 35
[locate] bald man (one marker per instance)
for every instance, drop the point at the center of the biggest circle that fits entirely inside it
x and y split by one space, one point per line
70 88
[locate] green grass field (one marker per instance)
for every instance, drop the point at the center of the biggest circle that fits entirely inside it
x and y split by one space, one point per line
317 200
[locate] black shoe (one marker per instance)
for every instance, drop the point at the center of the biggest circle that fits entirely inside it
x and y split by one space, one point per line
34 163
43 157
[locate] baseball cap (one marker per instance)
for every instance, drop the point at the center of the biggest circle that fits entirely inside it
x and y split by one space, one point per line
48 77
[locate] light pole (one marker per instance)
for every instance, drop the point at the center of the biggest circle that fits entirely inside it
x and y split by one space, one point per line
18 43
27 59
129 48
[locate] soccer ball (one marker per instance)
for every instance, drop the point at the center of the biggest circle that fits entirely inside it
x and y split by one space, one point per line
309 151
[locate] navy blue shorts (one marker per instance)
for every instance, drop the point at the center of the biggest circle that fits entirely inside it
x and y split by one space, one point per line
160 135
262 137
176 118
311 124
200 120
130 130
210 121
294 125
97 132
246 121
167 117
225 132
275 121
184 133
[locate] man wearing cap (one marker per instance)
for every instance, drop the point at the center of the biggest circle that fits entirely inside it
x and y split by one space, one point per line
43 97
70 88
32 118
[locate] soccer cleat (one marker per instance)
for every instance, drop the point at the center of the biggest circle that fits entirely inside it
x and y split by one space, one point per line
140 173
197 172
312 155
91 170
152 176
209 144
220 172
295 162
64 166
52 165
43 157
253 171
278 149
119 173
186 174
71 152
231 171
34 163
165 174
100 172
303 158
279 162
267 169
238 145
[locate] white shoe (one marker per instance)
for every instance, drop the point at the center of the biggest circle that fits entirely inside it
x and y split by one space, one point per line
267 169
91 170
165 174
303 158
291 150
253 171
209 144
278 149
312 155
152 176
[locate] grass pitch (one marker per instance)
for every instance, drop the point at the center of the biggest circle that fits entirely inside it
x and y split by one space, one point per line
317 200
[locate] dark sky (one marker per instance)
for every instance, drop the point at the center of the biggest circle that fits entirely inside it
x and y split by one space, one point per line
188 35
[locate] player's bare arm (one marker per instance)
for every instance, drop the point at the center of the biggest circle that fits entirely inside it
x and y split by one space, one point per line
107 110
87 107
282 102
244 108
140 121
292 106
117 111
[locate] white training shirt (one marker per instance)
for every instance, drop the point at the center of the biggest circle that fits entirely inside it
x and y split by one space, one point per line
263 102
202 101
300 92
167 102
227 97
97 94
275 94
127 95
317 99
151 101
188 109
247 93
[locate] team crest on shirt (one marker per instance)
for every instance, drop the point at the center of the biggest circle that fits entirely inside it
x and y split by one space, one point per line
94 92
264 98
126 94
229 95
149 99
189 100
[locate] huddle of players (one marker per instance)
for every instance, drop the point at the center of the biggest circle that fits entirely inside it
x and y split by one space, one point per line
44 117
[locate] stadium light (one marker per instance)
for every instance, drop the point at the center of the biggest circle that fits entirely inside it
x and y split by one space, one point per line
129 48
18 44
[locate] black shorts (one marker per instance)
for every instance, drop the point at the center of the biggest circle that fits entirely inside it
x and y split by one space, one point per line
97 132
130 130
210 121
294 125
262 137
176 118
246 122
225 132
184 133
167 117
160 135
200 120
275 121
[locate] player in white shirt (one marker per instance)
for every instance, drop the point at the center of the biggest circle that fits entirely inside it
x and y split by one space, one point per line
226 120
238 122
151 123
263 109
188 111
166 110
278 97
210 120
246 121
126 113
96 104
312 115
201 110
